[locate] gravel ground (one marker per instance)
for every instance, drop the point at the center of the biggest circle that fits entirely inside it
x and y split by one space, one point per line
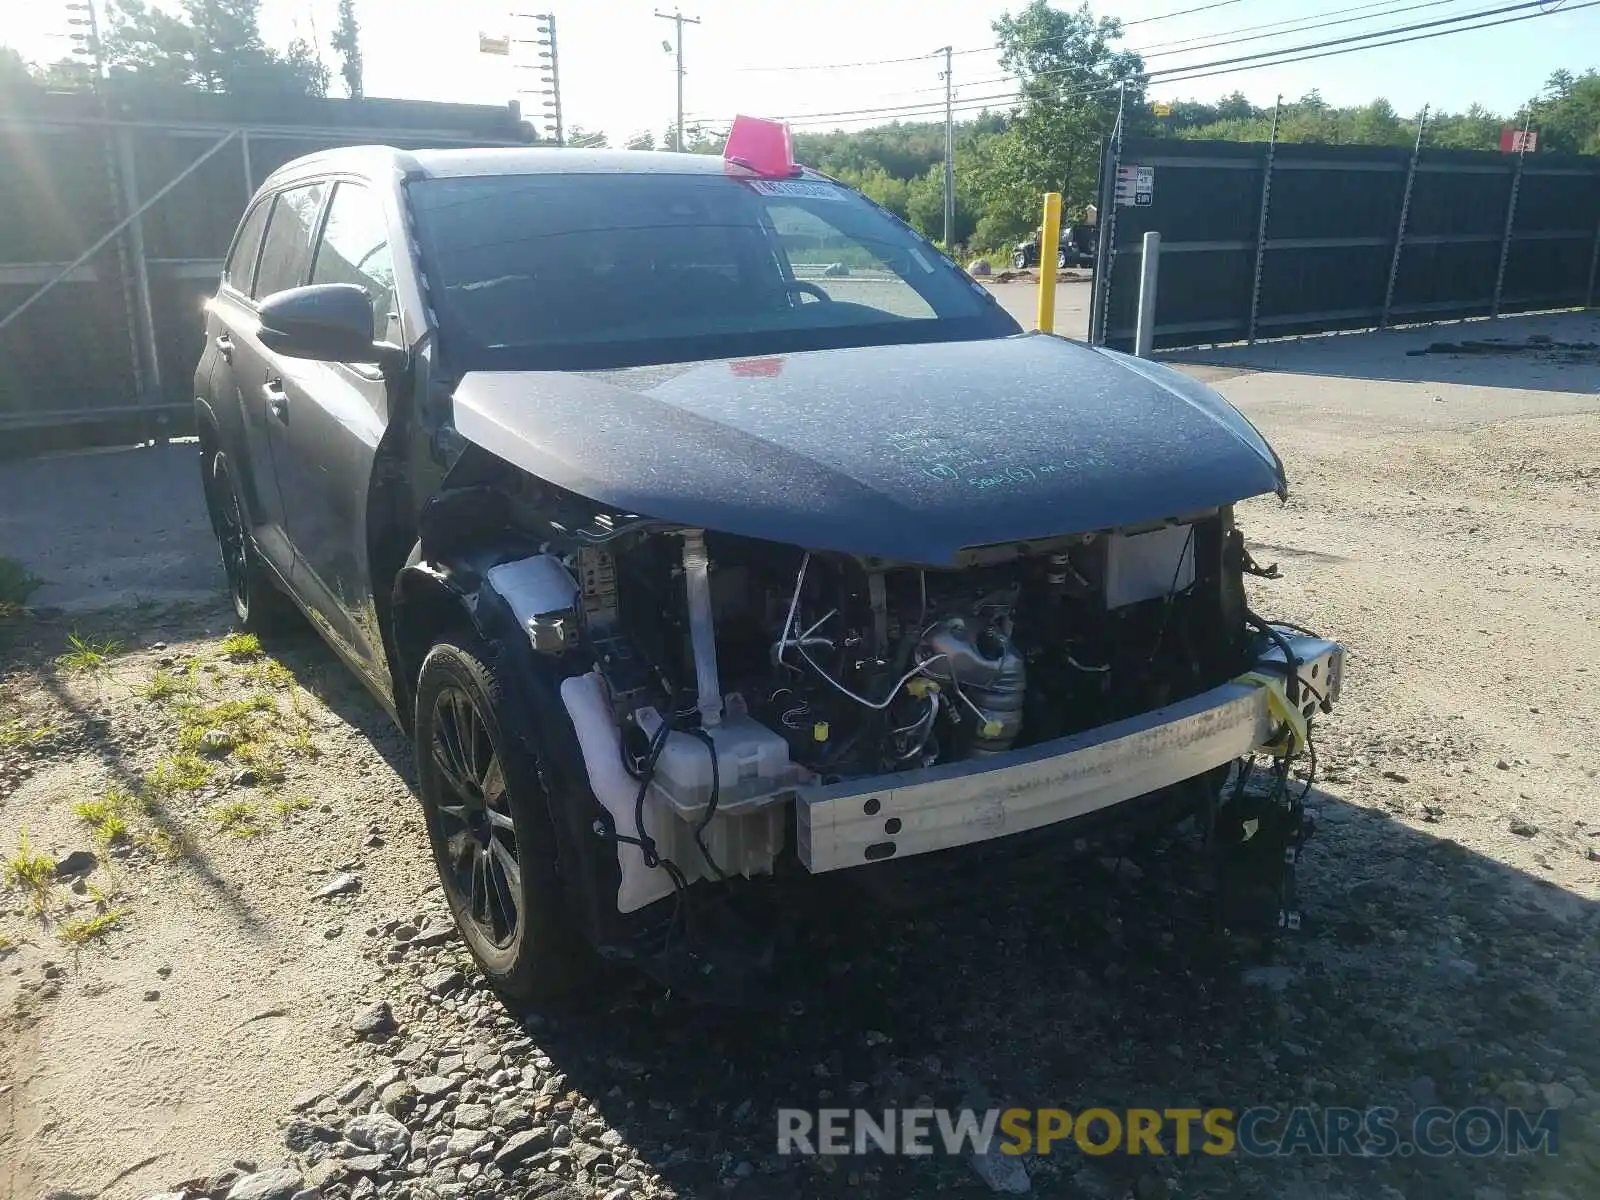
233 1033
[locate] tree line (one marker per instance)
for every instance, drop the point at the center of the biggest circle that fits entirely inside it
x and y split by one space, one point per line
1075 83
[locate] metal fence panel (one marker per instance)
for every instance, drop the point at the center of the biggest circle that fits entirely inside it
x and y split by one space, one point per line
1341 245
72 167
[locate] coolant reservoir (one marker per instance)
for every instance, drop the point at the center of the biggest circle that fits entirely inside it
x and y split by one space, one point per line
752 763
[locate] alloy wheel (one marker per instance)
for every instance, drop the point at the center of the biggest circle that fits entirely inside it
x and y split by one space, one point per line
476 833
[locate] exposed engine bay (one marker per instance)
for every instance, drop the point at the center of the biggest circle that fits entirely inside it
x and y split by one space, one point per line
863 667
729 679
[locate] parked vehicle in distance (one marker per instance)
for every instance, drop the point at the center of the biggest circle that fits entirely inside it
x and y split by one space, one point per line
693 568
1075 249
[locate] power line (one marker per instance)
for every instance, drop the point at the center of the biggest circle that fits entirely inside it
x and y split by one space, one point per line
1182 12
1225 66
884 62
1304 21
1301 25
1355 37
1156 52
874 62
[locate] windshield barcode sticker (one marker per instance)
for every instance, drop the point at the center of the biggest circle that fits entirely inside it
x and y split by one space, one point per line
804 189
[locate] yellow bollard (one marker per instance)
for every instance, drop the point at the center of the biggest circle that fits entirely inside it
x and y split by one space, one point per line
1049 240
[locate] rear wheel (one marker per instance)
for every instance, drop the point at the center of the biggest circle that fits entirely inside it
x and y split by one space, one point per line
1061 259
1019 260
488 817
258 604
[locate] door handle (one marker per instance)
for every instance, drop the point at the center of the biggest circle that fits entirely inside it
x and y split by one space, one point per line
277 399
224 346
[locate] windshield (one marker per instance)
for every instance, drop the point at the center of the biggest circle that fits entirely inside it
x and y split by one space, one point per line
569 271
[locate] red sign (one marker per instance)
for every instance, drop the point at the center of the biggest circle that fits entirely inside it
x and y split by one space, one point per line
1519 141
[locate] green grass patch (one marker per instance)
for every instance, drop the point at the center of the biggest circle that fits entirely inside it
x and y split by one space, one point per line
240 720
106 817
300 744
80 931
164 685
241 646
32 874
286 806
268 766
269 672
15 733
182 772
237 818
168 843
87 657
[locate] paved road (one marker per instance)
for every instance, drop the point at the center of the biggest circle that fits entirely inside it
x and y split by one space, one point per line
1021 300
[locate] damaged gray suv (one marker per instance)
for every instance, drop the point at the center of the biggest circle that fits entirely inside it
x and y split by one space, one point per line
709 531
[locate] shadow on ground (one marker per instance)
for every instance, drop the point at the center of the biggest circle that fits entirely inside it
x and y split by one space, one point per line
1569 361
1425 975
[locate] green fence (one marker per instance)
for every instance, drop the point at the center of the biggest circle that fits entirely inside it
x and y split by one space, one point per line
1262 241
107 349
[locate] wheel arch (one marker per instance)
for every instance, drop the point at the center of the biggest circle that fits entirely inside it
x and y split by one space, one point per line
432 597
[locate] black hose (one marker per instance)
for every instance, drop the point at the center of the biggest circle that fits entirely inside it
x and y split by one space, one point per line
1291 662
711 805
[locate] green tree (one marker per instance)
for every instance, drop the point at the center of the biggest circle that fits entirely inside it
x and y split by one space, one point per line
641 141
347 43
215 45
1567 115
14 69
1073 82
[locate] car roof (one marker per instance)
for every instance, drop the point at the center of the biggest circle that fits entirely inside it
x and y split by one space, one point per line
378 161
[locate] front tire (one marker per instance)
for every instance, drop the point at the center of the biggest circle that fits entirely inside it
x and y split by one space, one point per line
488 816
1061 259
1019 260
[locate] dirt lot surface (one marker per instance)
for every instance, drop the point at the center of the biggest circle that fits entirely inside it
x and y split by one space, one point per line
191 1010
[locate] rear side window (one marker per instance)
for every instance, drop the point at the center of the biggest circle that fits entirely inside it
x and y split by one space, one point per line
355 249
286 252
240 269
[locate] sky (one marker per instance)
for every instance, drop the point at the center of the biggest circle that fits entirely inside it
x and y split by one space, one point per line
617 77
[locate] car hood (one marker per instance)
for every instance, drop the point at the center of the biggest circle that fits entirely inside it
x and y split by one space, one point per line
908 453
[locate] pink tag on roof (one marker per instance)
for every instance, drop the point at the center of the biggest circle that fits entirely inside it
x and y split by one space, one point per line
762 146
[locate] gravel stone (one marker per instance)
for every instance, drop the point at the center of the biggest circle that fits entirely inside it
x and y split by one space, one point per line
279 1184
79 862
337 886
521 1146
378 1019
398 1099
443 983
431 1087
378 1131
464 1141
473 1116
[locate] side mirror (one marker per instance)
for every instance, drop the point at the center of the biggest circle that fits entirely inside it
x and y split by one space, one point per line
329 322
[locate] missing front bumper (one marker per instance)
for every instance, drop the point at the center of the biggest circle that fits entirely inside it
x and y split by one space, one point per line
895 816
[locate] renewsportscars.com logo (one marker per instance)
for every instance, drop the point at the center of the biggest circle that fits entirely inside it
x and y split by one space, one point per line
1258 1132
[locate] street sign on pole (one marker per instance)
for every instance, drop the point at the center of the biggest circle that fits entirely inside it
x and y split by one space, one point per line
1136 186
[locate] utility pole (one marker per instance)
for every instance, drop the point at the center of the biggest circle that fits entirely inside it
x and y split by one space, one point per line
949 156
679 20
550 70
